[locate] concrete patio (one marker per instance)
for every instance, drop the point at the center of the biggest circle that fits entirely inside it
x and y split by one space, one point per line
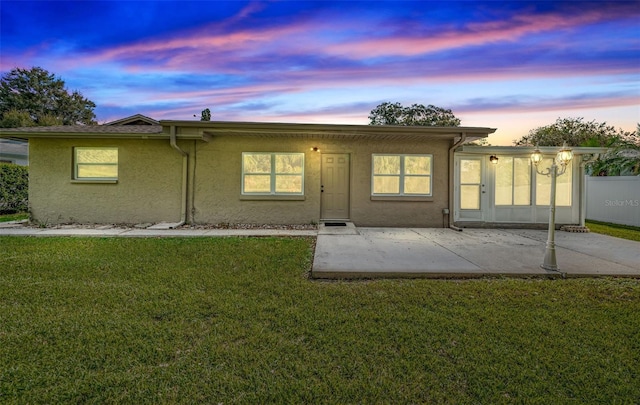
445 253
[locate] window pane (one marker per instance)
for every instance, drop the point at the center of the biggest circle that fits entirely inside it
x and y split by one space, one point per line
289 184
97 171
563 186
257 183
288 163
470 197
470 171
522 181
104 155
417 185
257 162
417 165
504 181
386 184
386 165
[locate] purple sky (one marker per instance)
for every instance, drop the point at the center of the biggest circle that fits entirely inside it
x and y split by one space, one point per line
511 65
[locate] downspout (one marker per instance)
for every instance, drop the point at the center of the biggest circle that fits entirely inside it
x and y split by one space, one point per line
463 138
185 165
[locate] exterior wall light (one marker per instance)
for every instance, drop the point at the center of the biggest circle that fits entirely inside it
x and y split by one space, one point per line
493 159
563 158
315 149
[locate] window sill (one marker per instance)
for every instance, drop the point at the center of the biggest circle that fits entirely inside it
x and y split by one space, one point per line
272 197
94 181
401 198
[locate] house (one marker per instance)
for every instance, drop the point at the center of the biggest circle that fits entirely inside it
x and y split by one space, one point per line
138 170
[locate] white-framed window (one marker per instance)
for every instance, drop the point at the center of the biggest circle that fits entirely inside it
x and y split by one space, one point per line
269 173
95 163
401 175
564 185
513 181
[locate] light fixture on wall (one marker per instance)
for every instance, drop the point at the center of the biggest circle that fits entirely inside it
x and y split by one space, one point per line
563 158
493 159
315 149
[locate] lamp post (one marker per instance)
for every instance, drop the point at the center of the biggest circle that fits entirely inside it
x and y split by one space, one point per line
562 159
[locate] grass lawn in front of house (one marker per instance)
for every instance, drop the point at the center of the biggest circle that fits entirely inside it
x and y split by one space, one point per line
14 217
619 231
236 320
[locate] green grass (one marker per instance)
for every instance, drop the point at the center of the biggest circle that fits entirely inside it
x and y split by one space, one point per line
619 231
236 320
13 217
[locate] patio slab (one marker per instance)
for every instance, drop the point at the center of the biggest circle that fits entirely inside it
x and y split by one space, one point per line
445 253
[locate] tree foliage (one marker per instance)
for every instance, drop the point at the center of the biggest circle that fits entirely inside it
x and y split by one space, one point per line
205 115
416 115
623 157
35 97
575 132
14 188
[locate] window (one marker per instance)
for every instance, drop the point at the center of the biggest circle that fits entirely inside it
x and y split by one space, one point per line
563 186
401 175
513 181
95 164
273 173
470 183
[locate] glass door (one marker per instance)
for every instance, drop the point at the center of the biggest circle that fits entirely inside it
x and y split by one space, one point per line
470 189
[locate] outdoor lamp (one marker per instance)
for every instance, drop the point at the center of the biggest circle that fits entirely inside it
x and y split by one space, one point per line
493 159
563 157
536 157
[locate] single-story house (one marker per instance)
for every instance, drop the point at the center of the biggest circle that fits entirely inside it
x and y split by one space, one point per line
138 170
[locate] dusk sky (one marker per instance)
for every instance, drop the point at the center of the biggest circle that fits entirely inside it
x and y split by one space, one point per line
512 65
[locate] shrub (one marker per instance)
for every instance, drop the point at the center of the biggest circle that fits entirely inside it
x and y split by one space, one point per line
14 188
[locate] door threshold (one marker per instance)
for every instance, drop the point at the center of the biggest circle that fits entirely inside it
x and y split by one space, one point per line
337 227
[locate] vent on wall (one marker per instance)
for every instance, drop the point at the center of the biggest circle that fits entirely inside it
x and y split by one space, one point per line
335 224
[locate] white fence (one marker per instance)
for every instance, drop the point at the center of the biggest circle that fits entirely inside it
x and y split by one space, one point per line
614 199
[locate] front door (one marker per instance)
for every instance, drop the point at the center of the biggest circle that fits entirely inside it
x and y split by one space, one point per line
470 193
334 202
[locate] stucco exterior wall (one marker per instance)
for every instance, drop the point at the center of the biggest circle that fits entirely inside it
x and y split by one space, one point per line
148 187
218 196
150 179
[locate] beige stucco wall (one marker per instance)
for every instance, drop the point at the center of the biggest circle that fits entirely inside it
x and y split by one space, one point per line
150 178
148 187
218 196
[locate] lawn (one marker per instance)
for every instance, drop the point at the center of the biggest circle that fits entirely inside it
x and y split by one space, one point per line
619 231
236 320
13 217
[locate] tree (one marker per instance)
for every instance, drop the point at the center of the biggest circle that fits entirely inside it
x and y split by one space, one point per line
418 115
42 97
623 157
575 132
205 115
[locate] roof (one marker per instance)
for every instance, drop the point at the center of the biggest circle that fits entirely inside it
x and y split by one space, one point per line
527 150
137 119
329 131
205 129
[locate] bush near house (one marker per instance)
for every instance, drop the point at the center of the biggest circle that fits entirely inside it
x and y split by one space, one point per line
14 188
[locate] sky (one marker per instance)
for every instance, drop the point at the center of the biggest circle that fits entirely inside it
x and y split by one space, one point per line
510 65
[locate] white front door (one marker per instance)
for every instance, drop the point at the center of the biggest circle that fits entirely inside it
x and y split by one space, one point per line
334 202
470 190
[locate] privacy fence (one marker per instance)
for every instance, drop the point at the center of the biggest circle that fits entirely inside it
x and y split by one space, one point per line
614 199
